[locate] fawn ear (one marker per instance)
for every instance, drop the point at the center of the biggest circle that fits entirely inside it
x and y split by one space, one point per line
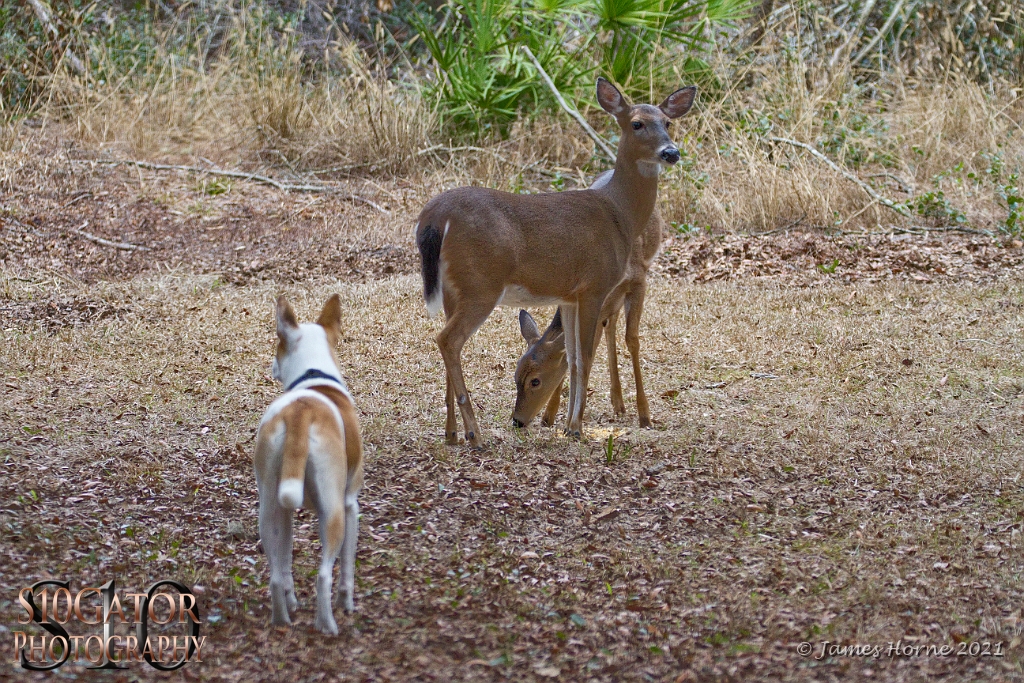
556 323
610 99
679 102
287 323
528 326
330 316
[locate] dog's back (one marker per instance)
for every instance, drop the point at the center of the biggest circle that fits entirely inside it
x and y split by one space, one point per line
294 425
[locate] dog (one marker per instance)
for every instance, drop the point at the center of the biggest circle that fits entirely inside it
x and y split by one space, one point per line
309 453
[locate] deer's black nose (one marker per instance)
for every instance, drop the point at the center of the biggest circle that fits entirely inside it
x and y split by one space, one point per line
517 423
670 155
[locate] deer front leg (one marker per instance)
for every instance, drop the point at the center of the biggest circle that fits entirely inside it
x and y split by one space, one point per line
571 354
451 424
587 319
634 309
613 364
552 408
460 326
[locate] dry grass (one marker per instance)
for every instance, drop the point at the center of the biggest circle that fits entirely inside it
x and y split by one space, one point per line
255 103
937 138
869 493
930 138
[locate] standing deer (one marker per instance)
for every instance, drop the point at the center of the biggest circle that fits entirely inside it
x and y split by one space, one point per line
541 370
480 248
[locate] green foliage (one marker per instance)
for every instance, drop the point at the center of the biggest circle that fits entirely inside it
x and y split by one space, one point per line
935 205
830 267
485 80
1013 201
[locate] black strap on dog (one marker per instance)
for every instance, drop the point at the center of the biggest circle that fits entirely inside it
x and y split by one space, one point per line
313 373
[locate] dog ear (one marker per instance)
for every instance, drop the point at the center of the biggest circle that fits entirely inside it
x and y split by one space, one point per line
287 323
679 102
528 326
330 316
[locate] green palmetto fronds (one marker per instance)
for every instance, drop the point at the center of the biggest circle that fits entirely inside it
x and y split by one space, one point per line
483 80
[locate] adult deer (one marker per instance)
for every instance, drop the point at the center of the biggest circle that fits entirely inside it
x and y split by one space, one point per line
541 370
480 248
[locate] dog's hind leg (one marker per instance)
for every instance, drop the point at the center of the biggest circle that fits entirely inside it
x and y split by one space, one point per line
332 533
276 535
347 584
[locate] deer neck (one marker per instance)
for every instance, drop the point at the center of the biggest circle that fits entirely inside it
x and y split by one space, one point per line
634 188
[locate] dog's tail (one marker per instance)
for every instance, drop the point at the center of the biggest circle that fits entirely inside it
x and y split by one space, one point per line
428 239
290 492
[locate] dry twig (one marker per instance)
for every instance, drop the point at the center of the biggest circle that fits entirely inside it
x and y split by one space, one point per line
124 246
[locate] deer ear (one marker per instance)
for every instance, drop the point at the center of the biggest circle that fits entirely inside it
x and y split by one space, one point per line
287 323
679 102
330 316
610 99
528 326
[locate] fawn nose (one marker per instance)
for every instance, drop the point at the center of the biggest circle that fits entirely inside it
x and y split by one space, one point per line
517 423
670 155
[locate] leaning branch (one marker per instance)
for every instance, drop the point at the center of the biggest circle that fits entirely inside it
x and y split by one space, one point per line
605 147
846 174
266 180
44 18
881 32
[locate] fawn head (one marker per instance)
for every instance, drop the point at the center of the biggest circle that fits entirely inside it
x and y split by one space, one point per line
541 369
645 139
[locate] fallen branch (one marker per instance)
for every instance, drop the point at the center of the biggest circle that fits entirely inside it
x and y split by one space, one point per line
266 180
846 174
784 228
124 246
452 150
605 147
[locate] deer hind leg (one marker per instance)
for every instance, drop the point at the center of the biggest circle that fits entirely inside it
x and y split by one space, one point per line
613 364
634 309
587 319
461 325
552 408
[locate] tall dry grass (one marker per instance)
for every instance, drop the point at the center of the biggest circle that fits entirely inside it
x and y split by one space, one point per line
948 148
256 101
910 144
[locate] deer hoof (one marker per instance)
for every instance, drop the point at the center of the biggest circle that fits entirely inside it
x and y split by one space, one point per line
451 439
645 422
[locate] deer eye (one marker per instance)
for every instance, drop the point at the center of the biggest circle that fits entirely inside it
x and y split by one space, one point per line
637 125
535 382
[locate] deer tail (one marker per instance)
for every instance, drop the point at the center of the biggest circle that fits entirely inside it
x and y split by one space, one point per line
428 239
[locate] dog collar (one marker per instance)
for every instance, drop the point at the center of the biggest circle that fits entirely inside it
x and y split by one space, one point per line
313 373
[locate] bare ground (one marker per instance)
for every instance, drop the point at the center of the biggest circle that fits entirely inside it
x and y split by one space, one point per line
836 454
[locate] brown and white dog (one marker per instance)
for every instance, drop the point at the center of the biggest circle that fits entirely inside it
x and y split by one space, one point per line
309 453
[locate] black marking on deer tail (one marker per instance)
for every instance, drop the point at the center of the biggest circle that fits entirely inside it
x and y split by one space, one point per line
429 239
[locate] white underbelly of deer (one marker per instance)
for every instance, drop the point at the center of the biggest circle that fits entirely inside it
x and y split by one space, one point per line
515 295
